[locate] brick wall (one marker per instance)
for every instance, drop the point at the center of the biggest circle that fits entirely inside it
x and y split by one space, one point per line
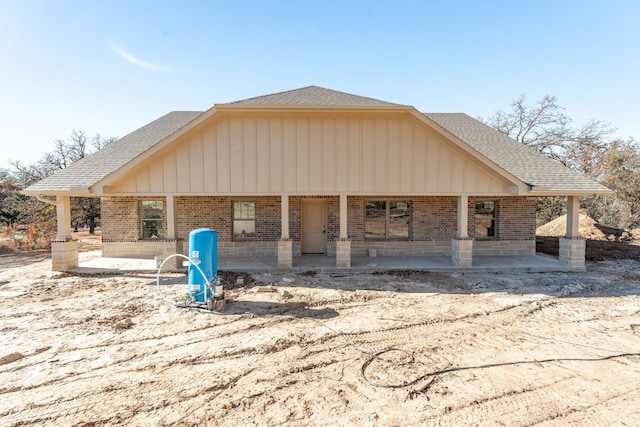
515 217
432 226
402 248
120 218
295 217
502 247
142 248
432 218
194 212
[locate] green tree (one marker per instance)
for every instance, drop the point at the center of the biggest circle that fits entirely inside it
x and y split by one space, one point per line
9 211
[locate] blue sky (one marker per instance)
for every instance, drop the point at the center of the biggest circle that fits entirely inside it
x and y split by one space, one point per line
110 67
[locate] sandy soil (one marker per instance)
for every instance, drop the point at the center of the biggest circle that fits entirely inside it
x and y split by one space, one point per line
389 350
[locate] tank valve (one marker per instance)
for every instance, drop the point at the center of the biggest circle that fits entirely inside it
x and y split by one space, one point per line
217 300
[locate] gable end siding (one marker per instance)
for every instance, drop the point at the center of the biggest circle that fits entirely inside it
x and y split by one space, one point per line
309 155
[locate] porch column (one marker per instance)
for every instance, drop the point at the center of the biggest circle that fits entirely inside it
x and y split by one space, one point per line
462 245
171 217
572 245
64 250
343 244
285 245
175 247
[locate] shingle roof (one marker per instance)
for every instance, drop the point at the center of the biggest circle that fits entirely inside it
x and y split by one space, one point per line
314 95
519 160
83 174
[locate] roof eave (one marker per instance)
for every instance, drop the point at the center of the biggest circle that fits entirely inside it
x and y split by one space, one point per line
547 192
69 192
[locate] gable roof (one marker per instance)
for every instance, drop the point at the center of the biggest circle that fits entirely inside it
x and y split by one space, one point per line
81 175
529 166
313 95
539 172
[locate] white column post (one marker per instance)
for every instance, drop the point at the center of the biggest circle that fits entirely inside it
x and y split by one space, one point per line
343 245
63 210
64 250
343 216
284 215
171 217
463 217
572 249
172 245
462 245
573 215
285 245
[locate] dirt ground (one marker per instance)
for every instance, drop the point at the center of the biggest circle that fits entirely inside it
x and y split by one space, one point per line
396 349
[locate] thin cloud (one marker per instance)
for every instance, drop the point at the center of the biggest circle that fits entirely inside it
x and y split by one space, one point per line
132 59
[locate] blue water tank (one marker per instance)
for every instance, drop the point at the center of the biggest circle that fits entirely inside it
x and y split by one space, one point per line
203 251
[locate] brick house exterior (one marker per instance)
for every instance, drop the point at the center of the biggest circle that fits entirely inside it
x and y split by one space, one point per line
317 171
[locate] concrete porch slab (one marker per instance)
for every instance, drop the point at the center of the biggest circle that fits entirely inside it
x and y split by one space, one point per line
325 264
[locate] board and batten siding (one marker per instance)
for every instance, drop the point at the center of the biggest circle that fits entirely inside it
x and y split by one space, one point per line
307 155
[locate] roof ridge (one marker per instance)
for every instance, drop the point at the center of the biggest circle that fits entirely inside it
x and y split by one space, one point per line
241 101
313 95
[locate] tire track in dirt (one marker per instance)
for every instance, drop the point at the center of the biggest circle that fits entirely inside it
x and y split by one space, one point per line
284 368
590 415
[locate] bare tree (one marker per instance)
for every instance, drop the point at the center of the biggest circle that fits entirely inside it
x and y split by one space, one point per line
545 127
85 211
587 149
617 167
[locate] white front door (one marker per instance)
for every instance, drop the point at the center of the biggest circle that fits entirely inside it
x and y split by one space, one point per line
314 227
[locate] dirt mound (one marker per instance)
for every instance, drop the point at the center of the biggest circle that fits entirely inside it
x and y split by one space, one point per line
590 229
603 243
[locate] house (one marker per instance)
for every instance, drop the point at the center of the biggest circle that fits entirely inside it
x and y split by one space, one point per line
317 171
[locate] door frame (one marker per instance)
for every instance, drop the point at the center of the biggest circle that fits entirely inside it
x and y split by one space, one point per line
303 237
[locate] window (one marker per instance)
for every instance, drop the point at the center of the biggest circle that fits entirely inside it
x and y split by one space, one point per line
244 219
387 219
485 214
152 211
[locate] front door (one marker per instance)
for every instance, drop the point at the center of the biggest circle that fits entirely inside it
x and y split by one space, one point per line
314 227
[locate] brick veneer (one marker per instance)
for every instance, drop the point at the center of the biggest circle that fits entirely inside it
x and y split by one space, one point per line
432 218
194 212
432 227
515 217
120 218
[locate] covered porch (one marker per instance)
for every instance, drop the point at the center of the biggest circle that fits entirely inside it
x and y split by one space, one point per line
572 248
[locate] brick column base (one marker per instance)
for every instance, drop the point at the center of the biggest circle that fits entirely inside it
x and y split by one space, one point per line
171 248
343 253
572 251
64 254
462 252
285 254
